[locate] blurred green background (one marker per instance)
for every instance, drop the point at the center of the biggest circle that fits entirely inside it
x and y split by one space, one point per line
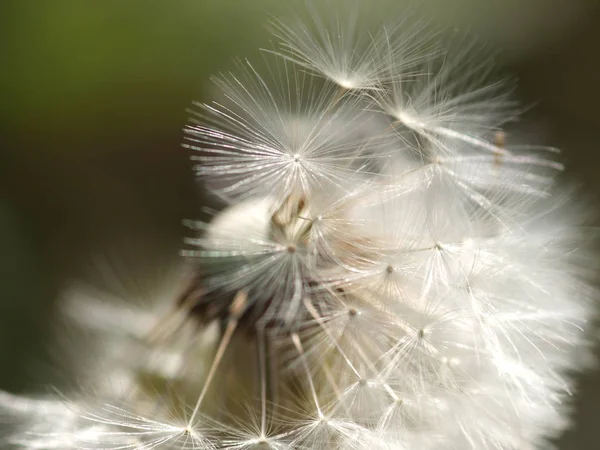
94 97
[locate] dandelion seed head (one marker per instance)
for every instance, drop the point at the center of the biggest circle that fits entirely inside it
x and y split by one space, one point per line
391 267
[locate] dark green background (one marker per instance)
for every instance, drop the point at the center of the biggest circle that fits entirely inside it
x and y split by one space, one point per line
93 100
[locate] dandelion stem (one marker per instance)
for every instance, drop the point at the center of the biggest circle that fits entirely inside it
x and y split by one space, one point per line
262 367
339 94
313 312
235 310
298 344
175 318
500 142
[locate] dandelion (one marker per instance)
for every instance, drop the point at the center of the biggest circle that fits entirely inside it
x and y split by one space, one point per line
269 139
390 268
337 47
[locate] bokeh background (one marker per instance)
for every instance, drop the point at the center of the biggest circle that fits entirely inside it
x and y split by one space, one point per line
94 98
